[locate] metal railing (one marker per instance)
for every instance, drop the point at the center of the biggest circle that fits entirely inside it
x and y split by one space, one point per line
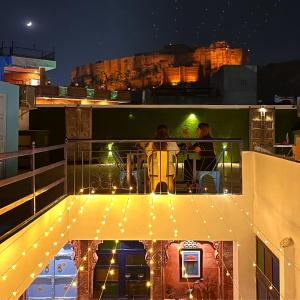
31 173
284 151
13 50
36 179
132 166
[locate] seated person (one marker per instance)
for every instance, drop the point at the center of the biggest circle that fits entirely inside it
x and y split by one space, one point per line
207 160
171 148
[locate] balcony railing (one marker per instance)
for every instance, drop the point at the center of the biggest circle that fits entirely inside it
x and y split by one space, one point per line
32 181
35 180
159 166
13 50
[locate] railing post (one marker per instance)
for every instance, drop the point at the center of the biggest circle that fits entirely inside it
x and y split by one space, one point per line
33 177
241 162
74 170
129 170
66 167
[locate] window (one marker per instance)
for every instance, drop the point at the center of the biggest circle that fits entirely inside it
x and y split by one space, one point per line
131 271
243 83
267 272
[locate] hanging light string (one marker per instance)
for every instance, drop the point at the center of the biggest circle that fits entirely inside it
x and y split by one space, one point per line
173 221
152 216
84 257
107 210
259 232
35 246
80 268
124 218
228 274
235 238
110 271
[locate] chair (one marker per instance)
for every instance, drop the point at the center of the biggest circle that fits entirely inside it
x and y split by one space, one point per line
214 174
162 169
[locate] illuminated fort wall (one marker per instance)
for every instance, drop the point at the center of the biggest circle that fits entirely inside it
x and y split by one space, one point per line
155 69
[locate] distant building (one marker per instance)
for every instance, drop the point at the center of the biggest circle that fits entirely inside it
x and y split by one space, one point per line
173 65
236 84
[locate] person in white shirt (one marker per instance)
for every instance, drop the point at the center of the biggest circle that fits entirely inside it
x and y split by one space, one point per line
172 148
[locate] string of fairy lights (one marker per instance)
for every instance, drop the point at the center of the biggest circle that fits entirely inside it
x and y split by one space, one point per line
209 237
152 219
260 233
229 229
173 221
35 245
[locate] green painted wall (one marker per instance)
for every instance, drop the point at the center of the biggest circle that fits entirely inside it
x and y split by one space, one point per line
140 123
286 121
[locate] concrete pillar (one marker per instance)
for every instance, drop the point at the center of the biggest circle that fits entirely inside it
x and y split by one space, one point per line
86 257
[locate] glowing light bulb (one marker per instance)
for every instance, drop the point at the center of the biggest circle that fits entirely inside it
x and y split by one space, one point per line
114 251
81 268
227 274
191 296
151 262
81 190
74 284
54 243
35 245
14 293
112 272
84 258
148 284
32 275
103 287
40 265
112 261
47 253
4 277
13 267
23 253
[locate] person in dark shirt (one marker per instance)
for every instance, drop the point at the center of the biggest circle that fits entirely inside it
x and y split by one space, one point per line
205 150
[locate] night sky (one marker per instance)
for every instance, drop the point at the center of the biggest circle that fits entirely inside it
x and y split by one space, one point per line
84 31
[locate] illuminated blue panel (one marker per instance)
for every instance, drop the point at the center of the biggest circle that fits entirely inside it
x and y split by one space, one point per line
55 281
